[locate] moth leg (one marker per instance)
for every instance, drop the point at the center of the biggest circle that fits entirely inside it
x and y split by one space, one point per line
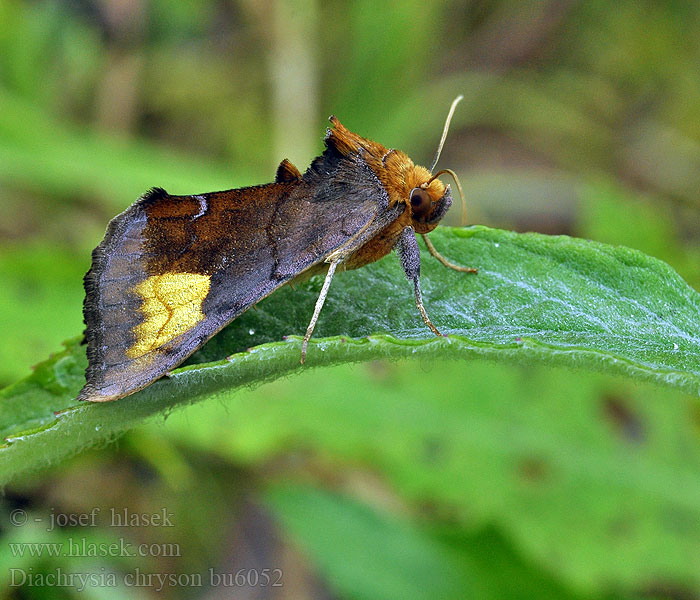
443 260
319 305
409 254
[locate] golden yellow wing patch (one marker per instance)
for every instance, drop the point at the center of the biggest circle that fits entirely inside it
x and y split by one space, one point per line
172 304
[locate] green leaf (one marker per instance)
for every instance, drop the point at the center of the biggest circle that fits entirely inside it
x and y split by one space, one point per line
534 452
365 554
536 299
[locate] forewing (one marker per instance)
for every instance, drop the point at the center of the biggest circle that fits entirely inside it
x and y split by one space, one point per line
173 270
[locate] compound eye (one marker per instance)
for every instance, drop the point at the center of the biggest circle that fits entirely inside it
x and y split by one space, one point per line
420 203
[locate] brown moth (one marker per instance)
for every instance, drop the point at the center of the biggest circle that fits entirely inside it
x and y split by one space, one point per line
174 270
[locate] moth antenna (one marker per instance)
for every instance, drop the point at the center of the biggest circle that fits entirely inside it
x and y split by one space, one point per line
433 250
455 102
459 189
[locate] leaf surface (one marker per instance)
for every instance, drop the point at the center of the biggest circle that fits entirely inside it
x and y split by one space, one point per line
536 300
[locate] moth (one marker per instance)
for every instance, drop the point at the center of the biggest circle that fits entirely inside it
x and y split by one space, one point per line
172 271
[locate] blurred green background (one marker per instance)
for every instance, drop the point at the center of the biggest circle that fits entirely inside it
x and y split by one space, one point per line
385 480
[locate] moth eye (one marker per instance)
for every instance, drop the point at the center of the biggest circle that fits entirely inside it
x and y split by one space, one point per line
420 202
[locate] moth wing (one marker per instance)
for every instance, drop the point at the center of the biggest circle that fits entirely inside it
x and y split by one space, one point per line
174 270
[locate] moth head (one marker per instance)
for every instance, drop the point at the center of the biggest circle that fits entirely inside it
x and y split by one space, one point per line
428 203
430 199
427 199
